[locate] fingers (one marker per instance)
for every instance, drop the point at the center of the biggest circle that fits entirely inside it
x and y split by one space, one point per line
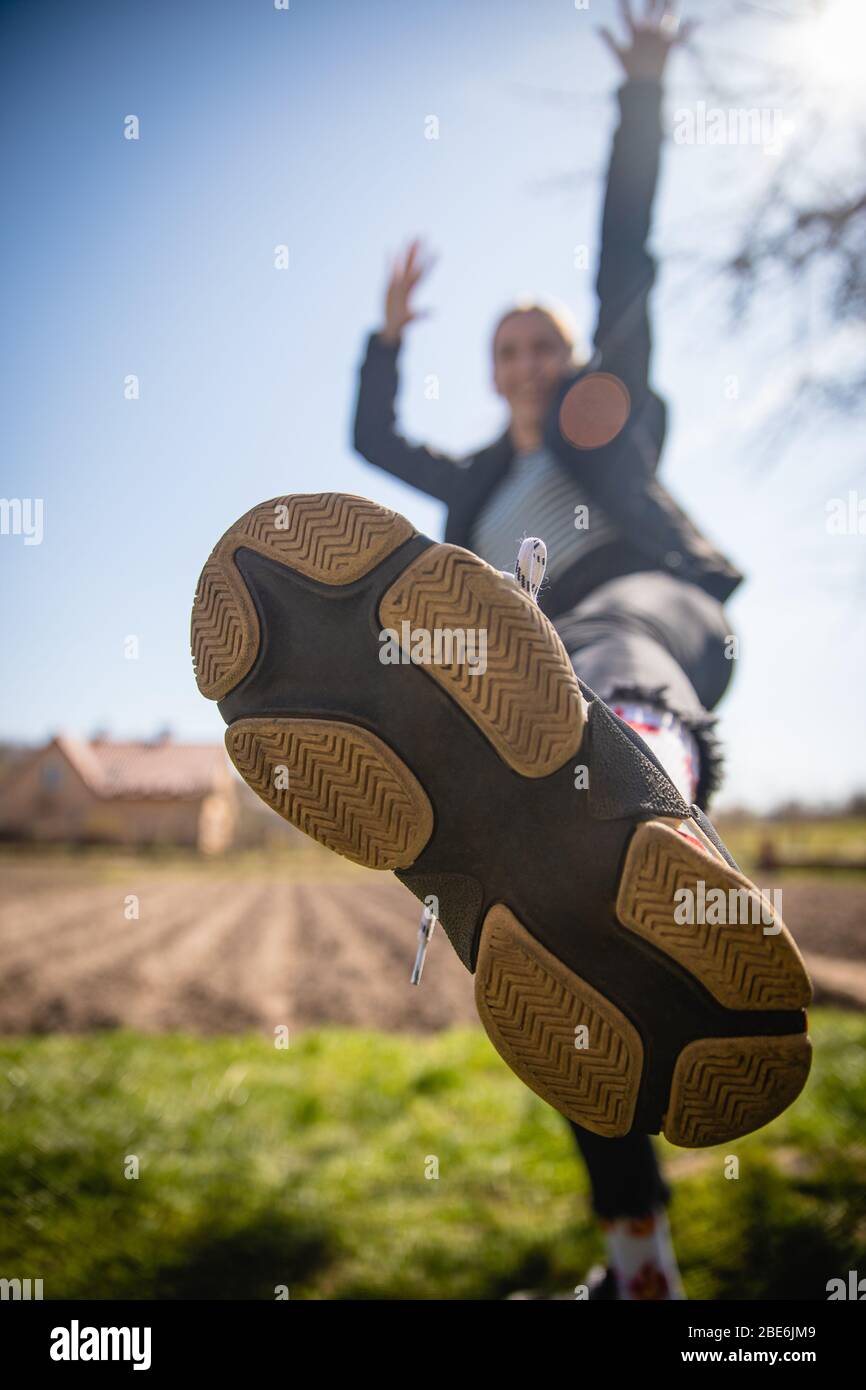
415 265
627 16
392 267
414 247
420 269
661 15
611 43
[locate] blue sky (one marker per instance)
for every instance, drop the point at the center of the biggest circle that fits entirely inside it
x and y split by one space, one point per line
305 127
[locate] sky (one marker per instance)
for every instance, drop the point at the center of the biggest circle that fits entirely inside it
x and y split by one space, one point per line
305 127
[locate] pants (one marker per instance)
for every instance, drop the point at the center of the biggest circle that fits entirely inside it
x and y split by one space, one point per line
650 637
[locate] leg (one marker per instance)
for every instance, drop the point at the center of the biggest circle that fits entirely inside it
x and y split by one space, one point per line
624 1174
629 1197
653 639
660 643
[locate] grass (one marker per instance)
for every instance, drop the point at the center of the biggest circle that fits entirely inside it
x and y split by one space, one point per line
305 1167
832 839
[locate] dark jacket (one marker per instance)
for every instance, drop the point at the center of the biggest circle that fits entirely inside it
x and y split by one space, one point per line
621 476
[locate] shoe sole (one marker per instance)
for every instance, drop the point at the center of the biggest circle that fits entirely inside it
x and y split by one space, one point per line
462 783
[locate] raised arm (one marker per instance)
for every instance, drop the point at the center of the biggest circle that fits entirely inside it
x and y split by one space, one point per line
620 474
375 434
626 269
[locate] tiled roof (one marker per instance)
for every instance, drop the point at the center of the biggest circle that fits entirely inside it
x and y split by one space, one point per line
161 768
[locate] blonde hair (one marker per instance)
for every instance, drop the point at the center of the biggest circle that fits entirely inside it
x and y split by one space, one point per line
560 318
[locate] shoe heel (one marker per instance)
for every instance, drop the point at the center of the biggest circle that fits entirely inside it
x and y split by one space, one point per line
722 1088
331 537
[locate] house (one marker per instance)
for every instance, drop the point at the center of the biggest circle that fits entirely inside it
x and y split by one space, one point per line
143 793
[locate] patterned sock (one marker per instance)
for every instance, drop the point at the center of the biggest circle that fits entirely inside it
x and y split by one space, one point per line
641 1255
673 744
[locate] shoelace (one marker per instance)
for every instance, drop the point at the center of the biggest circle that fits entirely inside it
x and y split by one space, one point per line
530 565
529 571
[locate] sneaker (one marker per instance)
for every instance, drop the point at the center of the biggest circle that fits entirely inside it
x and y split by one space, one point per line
411 708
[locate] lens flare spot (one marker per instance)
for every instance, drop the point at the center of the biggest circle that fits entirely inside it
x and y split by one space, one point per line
594 410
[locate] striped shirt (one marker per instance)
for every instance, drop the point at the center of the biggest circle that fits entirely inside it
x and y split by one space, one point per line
538 497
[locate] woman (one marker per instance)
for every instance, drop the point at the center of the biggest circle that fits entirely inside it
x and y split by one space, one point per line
632 587
550 830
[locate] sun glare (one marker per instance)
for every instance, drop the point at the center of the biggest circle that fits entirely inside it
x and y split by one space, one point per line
834 42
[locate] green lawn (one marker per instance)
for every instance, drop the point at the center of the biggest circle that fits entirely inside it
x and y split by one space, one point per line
306 1168
840 839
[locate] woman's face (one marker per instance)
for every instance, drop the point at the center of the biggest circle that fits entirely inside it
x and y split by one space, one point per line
529 359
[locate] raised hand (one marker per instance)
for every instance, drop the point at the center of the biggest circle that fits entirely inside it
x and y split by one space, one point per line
403 279
650 39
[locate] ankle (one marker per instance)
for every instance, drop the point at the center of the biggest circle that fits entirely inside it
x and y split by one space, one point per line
670 740
641 1255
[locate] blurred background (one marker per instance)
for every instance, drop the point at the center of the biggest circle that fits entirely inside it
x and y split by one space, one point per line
203 201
